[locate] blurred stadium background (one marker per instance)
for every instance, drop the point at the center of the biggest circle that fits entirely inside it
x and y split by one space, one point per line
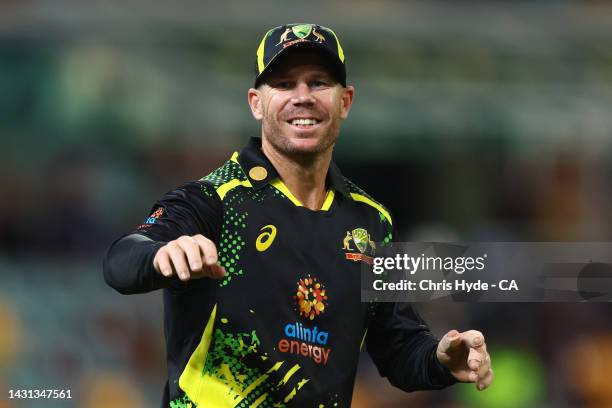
472 121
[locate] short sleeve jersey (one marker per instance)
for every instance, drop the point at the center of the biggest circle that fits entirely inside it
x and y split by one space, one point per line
285 326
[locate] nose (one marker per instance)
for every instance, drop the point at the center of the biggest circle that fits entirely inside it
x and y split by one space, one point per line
302 95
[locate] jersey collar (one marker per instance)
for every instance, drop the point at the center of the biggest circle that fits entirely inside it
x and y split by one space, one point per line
252 158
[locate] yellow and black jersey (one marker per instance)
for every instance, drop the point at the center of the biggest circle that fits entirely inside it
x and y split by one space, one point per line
285 326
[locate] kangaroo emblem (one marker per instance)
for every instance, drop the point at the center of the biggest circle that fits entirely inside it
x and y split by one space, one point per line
320 38
283 37
372 244
347 241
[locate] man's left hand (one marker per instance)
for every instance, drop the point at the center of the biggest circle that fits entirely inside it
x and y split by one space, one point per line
465 355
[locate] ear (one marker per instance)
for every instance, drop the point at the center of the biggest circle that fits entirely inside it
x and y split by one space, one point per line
254 99
346 101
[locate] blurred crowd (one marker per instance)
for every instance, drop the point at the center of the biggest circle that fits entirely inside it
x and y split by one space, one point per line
472 122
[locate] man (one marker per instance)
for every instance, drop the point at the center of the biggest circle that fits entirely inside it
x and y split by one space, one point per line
261 284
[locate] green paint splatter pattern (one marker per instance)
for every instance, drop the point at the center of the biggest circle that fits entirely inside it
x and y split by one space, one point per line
388 238
234 351
183 402
232 241
230 170
208 191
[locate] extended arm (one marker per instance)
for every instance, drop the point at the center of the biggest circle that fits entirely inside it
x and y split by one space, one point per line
175 244
404 349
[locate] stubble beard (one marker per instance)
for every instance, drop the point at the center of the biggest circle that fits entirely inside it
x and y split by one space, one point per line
282 144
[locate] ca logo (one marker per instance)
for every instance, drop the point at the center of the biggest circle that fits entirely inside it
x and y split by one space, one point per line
265 239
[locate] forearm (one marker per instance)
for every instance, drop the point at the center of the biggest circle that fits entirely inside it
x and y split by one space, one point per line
404 349
418 368
128 265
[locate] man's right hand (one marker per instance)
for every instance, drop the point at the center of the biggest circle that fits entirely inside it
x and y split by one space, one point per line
189 258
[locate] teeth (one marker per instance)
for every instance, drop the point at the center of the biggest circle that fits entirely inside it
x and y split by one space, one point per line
304 122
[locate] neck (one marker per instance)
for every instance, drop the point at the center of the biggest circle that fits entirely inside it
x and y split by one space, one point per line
303 176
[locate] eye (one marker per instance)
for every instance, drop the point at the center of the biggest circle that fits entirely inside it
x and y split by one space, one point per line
318 83
283 85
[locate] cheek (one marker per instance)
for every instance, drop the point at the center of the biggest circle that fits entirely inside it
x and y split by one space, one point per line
329 98
334 102
272 107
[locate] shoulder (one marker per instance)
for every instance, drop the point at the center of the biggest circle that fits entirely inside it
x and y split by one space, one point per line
188 192
360 196
225 178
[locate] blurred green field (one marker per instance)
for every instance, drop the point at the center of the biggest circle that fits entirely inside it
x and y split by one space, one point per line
473 121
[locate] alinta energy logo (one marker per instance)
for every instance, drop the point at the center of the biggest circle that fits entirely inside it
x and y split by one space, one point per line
301 338
360 237
310 297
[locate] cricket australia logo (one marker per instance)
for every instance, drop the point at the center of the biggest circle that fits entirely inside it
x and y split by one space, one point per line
360 237
301 32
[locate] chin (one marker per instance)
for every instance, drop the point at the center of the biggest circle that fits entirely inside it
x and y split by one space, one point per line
310 146
306 145
295 143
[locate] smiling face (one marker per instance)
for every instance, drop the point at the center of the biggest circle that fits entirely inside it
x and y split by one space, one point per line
300 104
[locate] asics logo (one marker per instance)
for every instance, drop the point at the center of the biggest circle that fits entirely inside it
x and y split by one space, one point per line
265 239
